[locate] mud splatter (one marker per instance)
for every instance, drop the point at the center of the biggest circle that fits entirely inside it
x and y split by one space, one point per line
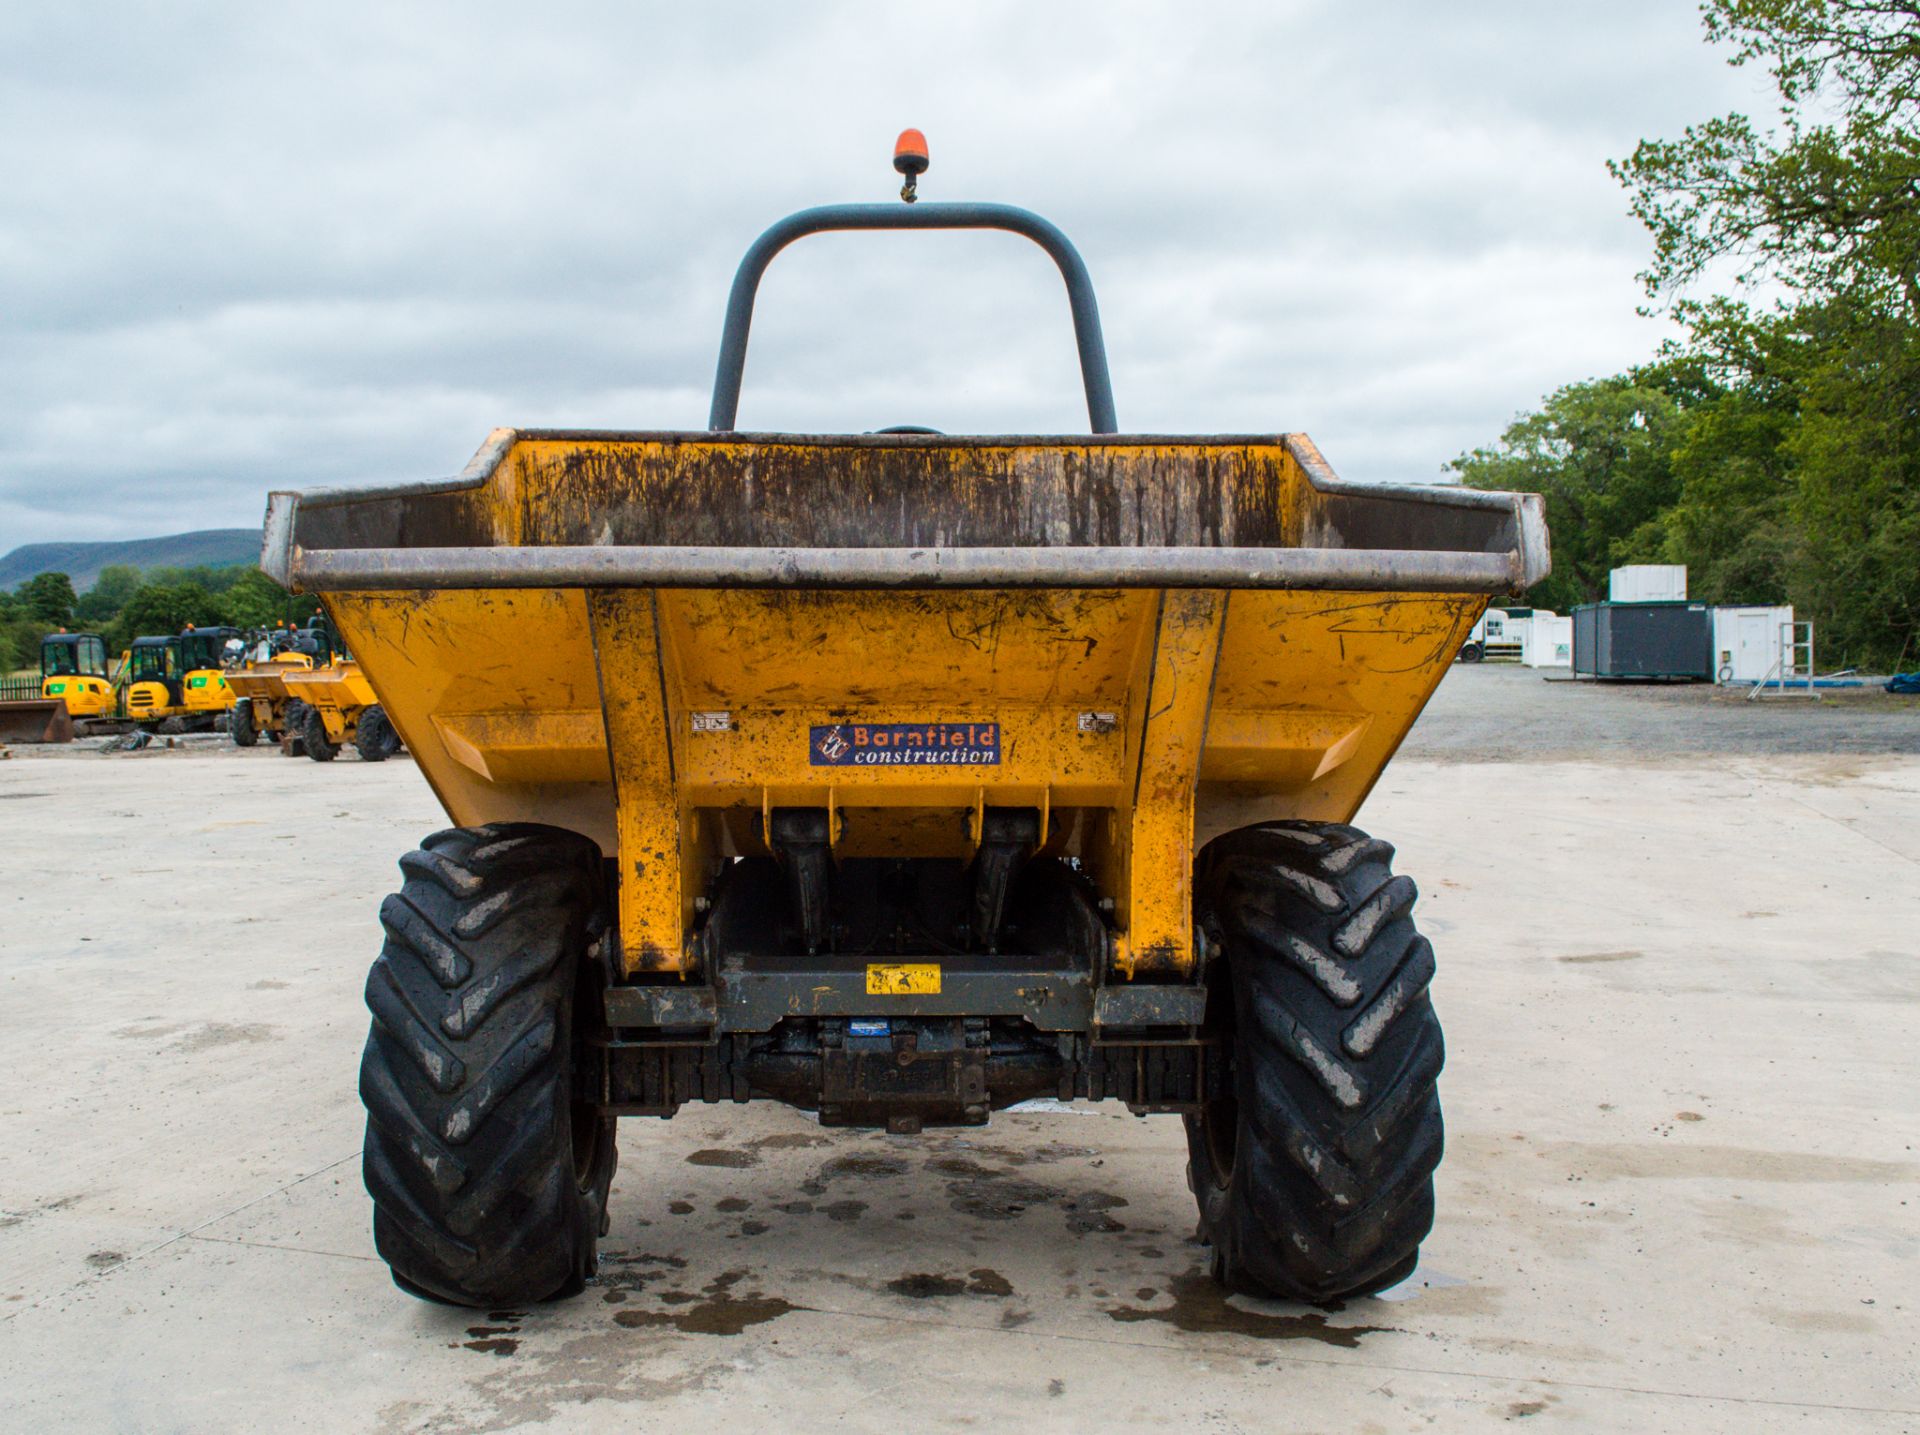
499 1345
789 1141
732 1204
1201 1308
680 1208
843 1211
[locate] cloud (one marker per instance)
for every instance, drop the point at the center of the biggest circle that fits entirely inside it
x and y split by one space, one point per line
265 246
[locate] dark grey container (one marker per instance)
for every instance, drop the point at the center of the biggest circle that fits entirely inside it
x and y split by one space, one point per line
1643 640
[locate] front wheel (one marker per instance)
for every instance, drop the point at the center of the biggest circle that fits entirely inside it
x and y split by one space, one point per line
313 736
240 724
489 1175
374 737
1313 1157
1472 653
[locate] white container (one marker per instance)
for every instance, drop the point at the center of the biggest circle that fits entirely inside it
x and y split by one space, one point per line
1747 642
1548 641
1647 583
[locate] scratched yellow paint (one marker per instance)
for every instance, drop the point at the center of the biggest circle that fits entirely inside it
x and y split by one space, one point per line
666 724
903 979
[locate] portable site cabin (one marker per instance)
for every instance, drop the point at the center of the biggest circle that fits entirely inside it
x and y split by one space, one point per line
1547 641
1748 642
1647 583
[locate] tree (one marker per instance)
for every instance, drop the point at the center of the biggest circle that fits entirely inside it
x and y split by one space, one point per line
253 601
1830 205
161 608
48 597
115 584
1602 453
1856 454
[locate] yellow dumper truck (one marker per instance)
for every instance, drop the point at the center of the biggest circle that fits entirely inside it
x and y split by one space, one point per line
901 777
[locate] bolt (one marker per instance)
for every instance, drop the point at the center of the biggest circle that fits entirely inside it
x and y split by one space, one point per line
1106 905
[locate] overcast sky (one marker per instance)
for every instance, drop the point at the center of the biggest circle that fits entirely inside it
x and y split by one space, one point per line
249 245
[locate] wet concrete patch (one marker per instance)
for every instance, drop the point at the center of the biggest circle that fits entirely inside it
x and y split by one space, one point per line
1087 1212
922 1285
714 1310
858 1166
1201 1307
721 1156
495 1339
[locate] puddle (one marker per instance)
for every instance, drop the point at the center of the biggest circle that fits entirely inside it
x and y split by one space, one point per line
1201 1308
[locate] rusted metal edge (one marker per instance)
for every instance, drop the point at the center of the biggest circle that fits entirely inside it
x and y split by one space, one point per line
1369 569
481 466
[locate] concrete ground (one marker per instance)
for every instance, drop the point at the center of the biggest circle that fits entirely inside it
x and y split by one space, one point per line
1682 1191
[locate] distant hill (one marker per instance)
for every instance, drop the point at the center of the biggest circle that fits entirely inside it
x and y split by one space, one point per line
82 562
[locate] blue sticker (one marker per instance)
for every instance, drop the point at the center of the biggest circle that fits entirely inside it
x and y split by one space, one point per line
905 744
869 1026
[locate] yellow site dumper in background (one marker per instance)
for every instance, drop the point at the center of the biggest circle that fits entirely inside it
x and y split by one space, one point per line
901 777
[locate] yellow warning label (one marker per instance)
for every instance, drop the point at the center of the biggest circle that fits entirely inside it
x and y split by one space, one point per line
903 979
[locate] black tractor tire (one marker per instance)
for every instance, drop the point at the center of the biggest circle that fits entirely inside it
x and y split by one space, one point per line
172 727
373 736
293 722
240 724
1472 653
313 736
489 1176
1313 1160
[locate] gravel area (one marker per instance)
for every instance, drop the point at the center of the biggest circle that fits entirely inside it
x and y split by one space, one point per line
1495 712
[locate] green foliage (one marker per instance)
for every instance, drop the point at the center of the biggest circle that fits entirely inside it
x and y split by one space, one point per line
167 608
49 598
109 594
1830 204
1777 455
1602 453
254 601
1856 453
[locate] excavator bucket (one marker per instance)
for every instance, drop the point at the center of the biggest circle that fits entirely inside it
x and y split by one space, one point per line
35 720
